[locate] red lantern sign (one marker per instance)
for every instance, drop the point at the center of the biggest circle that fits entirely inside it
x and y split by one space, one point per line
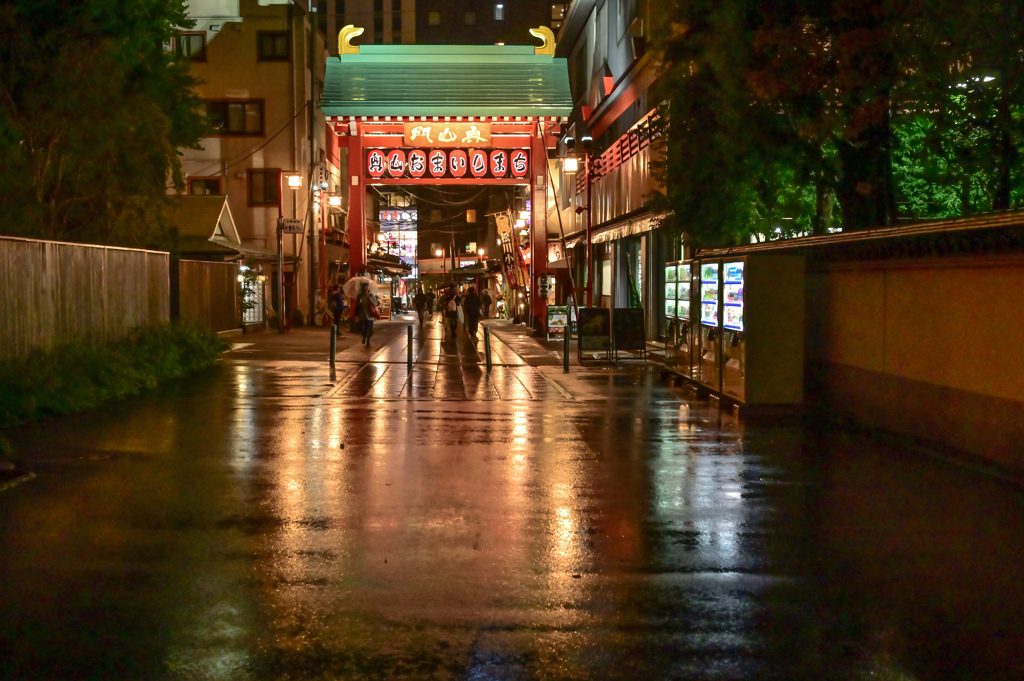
375 163
417 163
499 163
458 161
478 162
520 163
438 162
396 163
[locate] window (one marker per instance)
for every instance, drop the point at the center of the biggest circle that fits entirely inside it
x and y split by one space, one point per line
264 187
273 46
499 12
204 186
191 46
235 118
378 22
434 18
470 18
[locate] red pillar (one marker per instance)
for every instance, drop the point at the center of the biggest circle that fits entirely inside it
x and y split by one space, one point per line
356 200
538 225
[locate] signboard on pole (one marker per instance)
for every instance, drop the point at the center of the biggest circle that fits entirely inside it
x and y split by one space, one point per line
290 226
558 318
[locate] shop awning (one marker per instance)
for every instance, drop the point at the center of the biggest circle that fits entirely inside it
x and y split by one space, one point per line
631 227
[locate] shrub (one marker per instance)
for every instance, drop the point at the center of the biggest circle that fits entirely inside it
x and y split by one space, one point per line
80 376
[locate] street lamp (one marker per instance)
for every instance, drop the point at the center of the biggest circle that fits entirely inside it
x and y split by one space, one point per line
444 272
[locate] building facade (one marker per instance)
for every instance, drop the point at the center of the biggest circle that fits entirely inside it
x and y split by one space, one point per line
616 250
255 61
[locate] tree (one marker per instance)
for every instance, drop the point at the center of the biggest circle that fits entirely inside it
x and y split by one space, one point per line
93 110
787 109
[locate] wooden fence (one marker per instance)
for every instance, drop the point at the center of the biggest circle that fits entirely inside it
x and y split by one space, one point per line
207 293
52 293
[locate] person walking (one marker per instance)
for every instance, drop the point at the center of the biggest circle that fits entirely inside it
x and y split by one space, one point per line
420 303
431 303
471 306
485 299
452 312
337 304
365 304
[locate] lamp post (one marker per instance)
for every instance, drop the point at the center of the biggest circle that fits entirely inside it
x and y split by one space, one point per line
294 182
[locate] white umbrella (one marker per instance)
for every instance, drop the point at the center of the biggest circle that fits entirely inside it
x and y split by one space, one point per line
354 285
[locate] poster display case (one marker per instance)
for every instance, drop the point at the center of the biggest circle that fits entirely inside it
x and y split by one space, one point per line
733 344
677 314
752 327
708 369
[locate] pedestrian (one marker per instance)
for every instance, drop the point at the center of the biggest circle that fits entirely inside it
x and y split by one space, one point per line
431 302
452 312
420 303
338 300
366 306
471 306
485 299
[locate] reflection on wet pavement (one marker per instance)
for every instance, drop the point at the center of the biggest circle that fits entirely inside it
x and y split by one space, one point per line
265 522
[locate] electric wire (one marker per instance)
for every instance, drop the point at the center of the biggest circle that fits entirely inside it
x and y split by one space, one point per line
246 155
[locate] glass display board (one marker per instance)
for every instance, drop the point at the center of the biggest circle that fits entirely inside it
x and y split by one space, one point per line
732 291
671 273
709 294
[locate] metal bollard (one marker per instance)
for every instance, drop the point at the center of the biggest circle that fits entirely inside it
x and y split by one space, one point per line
409 349
565 361
334 344
487 347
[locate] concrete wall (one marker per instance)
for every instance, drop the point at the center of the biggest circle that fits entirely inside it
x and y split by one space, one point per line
208 294
52 293
932 349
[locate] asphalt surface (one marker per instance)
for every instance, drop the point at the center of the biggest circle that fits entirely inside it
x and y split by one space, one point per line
269 521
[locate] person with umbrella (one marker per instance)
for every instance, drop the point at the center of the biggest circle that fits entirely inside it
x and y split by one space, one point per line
366 305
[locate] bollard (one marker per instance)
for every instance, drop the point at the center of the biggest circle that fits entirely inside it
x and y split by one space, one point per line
409 350
334 344
565 361
487 347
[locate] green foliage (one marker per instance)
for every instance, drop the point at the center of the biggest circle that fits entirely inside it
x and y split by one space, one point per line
93 110
82 376
785 113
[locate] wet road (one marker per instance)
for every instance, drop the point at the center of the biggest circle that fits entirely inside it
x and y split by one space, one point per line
267 522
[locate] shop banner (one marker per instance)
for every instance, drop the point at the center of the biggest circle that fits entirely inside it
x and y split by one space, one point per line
511 260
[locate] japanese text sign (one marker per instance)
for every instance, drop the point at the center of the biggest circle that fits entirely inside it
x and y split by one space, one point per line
440 134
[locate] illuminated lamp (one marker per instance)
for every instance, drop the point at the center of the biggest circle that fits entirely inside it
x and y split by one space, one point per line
520 223
295 181
524 215
334 201
570 164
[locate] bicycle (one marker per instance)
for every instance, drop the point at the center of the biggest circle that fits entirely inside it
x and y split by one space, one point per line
324 315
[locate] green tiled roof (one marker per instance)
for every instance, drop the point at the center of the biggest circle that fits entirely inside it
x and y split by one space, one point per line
446 80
